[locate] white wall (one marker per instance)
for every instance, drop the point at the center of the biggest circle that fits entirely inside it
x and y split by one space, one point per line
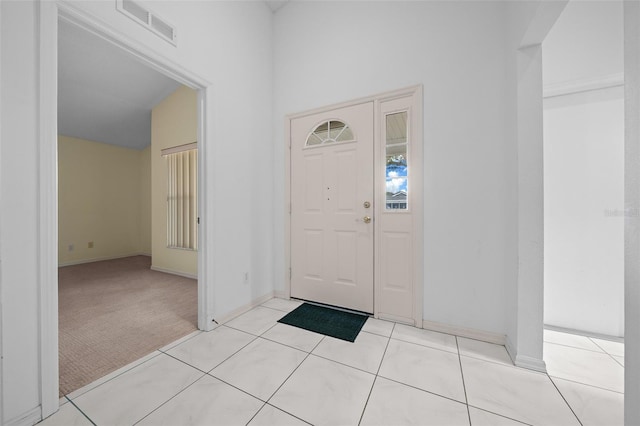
584 166
226 43
337 51
19 218
584 224
585 42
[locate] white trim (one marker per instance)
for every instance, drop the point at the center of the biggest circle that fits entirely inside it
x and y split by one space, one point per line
281 295
470 333
179 148
511 349
100 259
178 273
48 206
50 12
393 318
584 333
530 363
632 204
206 212
413 91
583 85
29 418
69 12
245 308
1 322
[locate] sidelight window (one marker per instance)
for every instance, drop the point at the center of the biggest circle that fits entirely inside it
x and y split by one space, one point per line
396 172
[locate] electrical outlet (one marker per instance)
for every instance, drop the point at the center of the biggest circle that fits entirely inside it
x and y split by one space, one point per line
90 244
71 247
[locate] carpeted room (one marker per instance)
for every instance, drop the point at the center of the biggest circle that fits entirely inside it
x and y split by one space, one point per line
123 293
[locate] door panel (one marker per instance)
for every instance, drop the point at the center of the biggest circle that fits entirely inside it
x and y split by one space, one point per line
331 244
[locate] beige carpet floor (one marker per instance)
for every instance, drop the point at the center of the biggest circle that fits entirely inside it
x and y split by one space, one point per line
116 311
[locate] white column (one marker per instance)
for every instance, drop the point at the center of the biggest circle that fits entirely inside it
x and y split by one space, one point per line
530 209
632 206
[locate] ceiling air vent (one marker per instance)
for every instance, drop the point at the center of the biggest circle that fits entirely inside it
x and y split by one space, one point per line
148 19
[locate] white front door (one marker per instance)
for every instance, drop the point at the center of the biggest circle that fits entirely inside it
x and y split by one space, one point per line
332 257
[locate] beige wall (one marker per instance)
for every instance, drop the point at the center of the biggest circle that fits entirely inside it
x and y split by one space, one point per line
145 200
173 123
102 198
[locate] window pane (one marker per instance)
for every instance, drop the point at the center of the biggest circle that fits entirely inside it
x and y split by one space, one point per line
335 128
329 132
346 135
397 128
313 140
396 170
396 193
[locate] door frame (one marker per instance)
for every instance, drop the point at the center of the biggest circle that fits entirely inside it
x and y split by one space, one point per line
49 14
415 93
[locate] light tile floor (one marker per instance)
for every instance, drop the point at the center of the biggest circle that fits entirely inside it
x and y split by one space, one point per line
255 371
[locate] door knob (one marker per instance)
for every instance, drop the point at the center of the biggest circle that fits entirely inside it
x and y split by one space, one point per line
366 219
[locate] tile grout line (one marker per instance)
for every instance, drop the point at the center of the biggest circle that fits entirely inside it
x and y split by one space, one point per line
426 346
600 351
81 412
423 390
586 384
500 415
265 403
183 339
285 411
375 378
170 399
464 386
112 378
294 370
565 400
606 352
205 373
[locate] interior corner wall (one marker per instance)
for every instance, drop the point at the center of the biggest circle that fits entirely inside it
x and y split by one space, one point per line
174 122
99 196
584 205
145 200
240 115
457 51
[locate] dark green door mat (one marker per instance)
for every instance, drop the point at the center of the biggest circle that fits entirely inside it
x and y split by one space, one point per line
327 321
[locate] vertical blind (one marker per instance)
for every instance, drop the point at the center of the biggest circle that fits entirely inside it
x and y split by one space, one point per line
182 203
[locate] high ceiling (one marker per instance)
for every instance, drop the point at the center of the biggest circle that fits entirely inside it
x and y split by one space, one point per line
104 94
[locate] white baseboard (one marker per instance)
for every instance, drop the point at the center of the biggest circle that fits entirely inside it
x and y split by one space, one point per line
527 362
244 308
471 333
530 363
29 418
511 349
619 339
281 295
100 259
395 318
178 273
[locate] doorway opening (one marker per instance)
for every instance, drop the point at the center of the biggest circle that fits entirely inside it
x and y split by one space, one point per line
583 110
52 14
